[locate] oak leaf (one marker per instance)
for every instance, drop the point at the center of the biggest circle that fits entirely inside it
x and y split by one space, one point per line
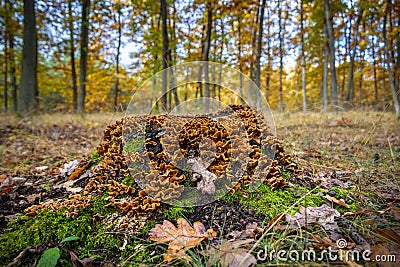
231 254
181 238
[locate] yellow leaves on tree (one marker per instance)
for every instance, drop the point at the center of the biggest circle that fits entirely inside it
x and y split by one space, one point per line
181 238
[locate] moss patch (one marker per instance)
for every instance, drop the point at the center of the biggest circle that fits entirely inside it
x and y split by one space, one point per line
50 228
274 202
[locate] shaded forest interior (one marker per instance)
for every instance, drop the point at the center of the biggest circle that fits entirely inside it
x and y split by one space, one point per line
92 55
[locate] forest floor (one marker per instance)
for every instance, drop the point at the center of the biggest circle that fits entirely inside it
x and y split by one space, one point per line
354 157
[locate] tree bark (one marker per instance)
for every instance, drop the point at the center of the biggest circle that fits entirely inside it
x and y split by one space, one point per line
164 54
325 74
6 56
29 86
376 102
258 59
334 94
116 77
205 58
84 56
350 84
388 64
14 89
303 58
253 46
280 56
72 56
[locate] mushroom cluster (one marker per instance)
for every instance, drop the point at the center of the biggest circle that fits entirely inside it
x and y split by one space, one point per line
156 151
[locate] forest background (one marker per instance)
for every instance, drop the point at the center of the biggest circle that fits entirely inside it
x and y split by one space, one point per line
91 55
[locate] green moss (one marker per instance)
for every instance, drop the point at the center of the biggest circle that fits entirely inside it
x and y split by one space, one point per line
134 145
128 180
50 228
148 226
340 193
175 212
263 199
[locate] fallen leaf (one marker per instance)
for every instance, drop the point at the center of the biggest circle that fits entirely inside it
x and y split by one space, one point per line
252 231
394 211
389 234
2 177
77 172
231 254
180 238
323 215
340 202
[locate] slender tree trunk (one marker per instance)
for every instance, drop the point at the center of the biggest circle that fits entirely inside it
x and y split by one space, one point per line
84 56
14 87
397 66
253 46
240 59
220 71
165 64
258 58
325 74
269 57
172 59
116 77
303 58
334 94
350 84
388 64
360 81
280 56
72 56
376 102
6 57
29 86
206 52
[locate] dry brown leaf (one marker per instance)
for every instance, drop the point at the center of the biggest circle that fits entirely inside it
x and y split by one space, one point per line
389 234
394 211
340 202
252 231
180 238
79 170
2 177
231 254
323 215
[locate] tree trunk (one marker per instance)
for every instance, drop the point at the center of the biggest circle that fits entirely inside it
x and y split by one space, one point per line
334 95
84 56
388 64
350 84
280 56
6 57
172 59
14 99
269 58
303 58
164 54
116 78
258 59
325 74
29 86
240 60
72 56
253 46
375 74
205 58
